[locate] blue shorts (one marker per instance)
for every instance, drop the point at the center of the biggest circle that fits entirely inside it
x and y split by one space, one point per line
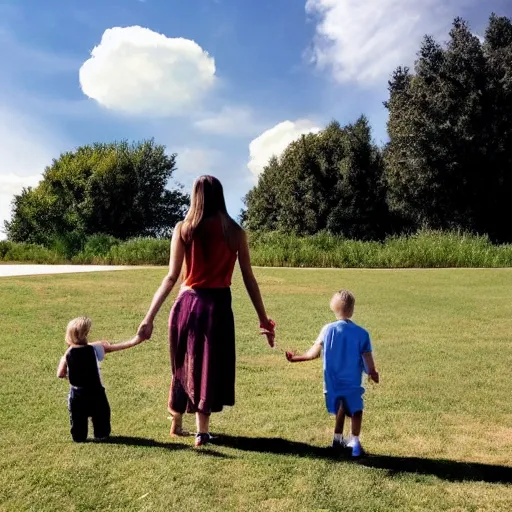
352 402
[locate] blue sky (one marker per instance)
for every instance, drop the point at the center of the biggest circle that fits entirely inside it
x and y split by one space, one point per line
223 83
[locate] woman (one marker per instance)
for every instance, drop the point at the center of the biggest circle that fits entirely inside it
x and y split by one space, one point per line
201 325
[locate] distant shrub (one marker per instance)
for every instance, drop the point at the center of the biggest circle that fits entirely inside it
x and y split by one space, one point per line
139 251
69 244
4 248
96 249
425 249
28 253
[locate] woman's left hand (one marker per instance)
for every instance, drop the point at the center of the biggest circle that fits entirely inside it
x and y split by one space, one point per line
268 329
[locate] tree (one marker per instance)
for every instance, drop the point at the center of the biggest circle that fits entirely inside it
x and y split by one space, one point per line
449 127
300 190
332 181
118 189
261 202
359 208
498 52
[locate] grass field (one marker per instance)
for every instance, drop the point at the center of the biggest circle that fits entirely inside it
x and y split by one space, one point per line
438 427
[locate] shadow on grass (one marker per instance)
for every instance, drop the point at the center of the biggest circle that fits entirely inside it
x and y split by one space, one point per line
445 469
151 443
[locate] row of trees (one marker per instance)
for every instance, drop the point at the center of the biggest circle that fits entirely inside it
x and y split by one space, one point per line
448 162
332 180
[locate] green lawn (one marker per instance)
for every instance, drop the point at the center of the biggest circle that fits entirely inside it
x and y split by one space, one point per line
438 427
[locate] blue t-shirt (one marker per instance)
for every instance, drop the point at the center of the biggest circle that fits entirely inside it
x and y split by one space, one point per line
343 345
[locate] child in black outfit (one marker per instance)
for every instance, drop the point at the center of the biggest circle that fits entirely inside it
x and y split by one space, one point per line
80 364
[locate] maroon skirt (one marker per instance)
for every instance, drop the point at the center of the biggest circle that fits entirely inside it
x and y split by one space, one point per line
202 345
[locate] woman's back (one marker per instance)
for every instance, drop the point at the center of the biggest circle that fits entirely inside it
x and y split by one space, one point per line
209 259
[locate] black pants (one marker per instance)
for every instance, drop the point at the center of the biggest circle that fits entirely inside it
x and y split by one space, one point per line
84 404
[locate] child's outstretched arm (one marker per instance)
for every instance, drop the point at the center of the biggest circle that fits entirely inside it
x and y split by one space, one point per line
62 369
116 347
370 365
313 353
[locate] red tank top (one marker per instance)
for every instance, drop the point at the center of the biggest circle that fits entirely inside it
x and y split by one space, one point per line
209 262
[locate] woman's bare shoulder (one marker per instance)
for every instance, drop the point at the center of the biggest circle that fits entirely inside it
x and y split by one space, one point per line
178 229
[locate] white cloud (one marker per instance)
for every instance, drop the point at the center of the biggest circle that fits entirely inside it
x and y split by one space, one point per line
140 72
274 141
234 121
26 149
364 41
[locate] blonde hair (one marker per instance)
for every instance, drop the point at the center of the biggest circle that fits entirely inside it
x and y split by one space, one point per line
77 331
343 302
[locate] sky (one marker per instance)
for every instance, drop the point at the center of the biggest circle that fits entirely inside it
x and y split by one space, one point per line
225 84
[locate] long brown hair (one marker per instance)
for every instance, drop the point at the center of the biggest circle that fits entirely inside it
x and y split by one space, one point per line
208 201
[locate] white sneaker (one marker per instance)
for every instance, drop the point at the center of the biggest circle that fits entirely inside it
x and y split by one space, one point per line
355 446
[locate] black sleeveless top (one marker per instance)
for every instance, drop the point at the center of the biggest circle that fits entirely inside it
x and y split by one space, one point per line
83 369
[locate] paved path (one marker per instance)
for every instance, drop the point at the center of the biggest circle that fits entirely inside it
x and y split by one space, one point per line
32 270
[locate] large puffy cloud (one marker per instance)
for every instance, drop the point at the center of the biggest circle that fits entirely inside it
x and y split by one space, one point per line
274 141
364 41
137 71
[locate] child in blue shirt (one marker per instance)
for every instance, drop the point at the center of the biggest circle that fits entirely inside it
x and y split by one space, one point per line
347 353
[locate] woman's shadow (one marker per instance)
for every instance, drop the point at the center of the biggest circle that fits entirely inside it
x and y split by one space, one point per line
152 443
444 469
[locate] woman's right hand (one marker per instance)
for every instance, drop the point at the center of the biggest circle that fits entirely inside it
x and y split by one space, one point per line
268 328
145 329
